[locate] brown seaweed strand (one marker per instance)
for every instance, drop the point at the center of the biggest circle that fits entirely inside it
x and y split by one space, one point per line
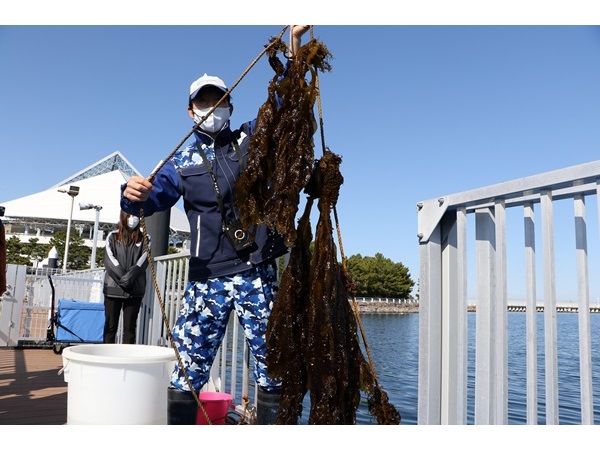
253 183
270 196
286 340
294 135
333 344
294 153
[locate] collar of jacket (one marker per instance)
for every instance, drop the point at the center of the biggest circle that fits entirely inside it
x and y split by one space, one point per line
224 137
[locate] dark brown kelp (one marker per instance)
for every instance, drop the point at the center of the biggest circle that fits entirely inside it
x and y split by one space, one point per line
286 333
312 339
283 139
332 344
253 184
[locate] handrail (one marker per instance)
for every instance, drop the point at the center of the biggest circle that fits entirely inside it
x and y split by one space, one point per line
444 244
565 183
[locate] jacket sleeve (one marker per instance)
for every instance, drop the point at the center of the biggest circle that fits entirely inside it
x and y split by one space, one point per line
164 195
111 264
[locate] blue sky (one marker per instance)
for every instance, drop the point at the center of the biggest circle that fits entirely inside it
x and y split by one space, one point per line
415 111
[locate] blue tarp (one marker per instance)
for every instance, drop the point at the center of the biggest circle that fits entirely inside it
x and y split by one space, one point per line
79 321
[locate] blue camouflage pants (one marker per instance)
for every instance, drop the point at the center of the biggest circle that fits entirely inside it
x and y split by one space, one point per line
202 321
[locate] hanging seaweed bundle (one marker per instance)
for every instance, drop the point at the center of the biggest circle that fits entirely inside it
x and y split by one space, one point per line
253 184
287 331
332 344
312 338
283 139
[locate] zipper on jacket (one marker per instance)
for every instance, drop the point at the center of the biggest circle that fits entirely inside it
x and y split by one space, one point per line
198 220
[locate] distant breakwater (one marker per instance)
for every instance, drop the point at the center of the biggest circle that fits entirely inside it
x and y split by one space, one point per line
385 306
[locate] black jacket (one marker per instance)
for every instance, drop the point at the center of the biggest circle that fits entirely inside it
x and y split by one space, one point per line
125 265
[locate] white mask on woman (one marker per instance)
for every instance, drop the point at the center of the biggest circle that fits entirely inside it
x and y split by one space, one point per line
133 221
215 122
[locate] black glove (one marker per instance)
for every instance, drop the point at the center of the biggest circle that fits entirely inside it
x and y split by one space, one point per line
129 278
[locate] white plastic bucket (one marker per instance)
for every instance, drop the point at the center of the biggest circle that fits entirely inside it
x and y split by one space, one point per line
113 384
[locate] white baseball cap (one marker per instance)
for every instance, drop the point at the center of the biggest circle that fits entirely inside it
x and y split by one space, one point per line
206 80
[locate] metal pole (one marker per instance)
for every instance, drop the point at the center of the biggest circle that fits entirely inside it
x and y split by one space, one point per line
97 221
64 268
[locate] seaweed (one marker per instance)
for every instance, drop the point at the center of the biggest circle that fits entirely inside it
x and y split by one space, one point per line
332 346
286 330
312 335
281 152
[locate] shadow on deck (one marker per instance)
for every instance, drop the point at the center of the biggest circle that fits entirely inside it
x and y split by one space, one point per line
31 390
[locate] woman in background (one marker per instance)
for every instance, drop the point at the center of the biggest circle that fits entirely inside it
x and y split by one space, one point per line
125 261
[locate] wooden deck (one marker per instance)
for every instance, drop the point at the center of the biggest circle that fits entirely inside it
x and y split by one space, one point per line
31 390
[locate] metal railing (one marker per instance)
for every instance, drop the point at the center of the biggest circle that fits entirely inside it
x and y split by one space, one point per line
26 308
445 225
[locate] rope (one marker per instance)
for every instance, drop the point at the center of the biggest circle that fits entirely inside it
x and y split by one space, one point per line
354 304
249 415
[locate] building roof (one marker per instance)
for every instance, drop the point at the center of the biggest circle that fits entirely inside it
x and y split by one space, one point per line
99 184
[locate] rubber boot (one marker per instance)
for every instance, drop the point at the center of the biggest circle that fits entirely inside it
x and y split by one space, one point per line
182 408
267 406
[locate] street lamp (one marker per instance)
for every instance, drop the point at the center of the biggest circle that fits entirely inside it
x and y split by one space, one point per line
73 191
82 207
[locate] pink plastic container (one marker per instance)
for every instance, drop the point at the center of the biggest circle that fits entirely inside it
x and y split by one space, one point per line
216 405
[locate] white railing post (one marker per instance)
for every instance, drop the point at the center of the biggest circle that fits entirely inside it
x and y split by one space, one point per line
430 326
550 328
485 329
531 314
501 338
454 312
12 305
583 295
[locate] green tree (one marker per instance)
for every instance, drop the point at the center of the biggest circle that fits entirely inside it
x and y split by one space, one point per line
79 254
379 276
15 253
35 251
172 250
99 257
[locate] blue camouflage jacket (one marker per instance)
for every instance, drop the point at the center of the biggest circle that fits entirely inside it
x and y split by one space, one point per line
185 174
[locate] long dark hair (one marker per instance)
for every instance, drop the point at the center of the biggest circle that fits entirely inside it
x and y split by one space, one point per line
125 234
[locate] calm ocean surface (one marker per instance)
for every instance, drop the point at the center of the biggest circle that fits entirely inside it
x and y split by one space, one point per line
393 341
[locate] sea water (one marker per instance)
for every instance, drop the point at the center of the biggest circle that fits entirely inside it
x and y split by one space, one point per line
393 341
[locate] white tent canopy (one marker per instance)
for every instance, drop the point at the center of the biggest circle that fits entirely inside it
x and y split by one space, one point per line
99 185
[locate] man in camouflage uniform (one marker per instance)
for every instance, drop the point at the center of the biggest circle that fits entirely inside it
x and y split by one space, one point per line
224 275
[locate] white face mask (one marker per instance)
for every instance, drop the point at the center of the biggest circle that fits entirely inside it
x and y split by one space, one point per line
133 222
215 122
